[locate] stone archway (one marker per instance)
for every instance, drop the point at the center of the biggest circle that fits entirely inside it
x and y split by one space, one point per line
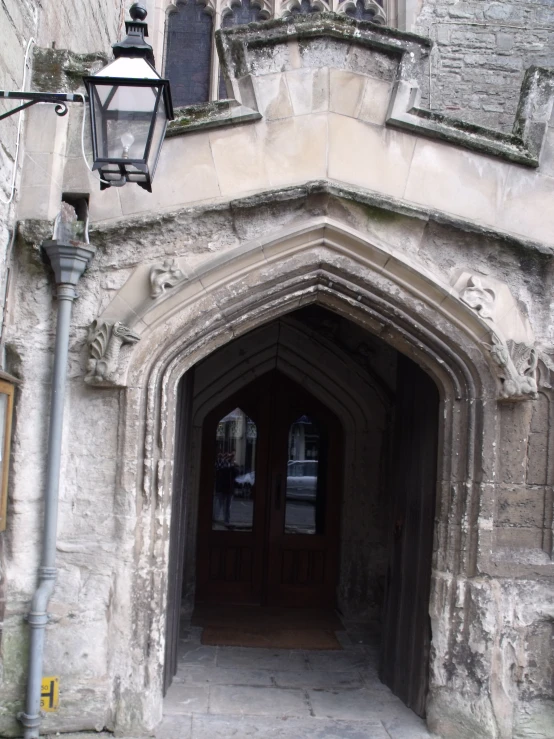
182 319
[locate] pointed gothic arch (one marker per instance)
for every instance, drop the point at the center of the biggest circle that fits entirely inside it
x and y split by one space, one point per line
183 317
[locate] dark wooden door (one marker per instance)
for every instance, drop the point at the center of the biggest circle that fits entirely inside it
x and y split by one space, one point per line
305 467
269 498
406 623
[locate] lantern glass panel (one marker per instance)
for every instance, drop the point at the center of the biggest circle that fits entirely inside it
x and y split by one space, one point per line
123 118
158 133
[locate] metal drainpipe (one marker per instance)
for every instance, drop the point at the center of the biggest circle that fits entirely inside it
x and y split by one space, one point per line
69 261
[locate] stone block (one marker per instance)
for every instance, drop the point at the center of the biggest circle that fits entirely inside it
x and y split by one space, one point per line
537 459
104 204
518 538
375 101
294 150
520 506
275 57
308 90
185 173
456 181
526 206
514 429
239 162
373 158
272 96
346 92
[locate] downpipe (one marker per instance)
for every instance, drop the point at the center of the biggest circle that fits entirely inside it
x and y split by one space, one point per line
68 261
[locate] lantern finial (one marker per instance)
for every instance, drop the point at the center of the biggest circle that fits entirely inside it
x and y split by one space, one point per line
134 44
138 12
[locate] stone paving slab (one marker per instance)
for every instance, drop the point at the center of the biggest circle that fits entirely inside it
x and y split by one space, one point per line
353 659
400 728
311 679
267 659
175 727
200 674
186 699
357 705
246 727
276 702
191 652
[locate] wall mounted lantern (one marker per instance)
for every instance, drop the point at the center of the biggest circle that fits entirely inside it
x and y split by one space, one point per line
130 106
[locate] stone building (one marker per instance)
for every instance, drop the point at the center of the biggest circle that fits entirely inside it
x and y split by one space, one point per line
361 225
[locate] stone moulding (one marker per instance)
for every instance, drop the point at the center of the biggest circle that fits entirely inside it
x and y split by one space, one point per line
522 146
503 335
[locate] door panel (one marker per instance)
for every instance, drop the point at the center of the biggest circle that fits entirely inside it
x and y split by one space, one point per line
406 624
233 493
289 554
302 558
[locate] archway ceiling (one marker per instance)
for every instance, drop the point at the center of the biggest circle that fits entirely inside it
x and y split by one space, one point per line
352 388
232 292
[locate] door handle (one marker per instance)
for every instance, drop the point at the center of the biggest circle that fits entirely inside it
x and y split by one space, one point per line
278 478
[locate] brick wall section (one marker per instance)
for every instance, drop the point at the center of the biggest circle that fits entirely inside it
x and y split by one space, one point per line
482 51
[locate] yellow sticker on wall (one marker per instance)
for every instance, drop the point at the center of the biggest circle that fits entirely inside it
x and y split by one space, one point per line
50 694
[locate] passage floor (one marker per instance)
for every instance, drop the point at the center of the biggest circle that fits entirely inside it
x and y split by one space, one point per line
224 692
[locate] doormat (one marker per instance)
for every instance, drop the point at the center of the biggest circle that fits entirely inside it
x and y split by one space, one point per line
270 638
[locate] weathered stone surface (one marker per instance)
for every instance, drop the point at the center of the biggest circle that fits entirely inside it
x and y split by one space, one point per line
413 215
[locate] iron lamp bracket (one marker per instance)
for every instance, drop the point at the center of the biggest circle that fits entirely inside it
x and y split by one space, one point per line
59 99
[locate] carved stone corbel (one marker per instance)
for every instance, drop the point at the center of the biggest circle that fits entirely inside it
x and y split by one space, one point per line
513 349
480 298
519 368
105 341
163 276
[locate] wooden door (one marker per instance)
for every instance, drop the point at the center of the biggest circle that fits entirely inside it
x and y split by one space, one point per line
233 498
406 624
269 498
304 508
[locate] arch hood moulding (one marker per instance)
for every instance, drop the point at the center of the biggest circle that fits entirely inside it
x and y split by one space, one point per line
156 294
328 98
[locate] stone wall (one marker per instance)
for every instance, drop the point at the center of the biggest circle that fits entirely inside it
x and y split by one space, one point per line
413 214
482 50
70 24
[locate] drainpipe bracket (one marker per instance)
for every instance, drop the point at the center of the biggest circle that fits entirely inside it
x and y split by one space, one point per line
30 722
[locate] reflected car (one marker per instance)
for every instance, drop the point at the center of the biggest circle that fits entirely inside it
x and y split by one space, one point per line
302 479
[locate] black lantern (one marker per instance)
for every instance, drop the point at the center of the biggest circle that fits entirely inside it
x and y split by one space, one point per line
130 106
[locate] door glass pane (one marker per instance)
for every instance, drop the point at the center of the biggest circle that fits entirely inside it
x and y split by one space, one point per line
305 492
235 465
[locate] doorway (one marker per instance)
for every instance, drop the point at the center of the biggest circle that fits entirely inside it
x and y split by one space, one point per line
307 461
270 492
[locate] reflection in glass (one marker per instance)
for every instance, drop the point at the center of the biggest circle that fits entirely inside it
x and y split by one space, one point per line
304 496
235 465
